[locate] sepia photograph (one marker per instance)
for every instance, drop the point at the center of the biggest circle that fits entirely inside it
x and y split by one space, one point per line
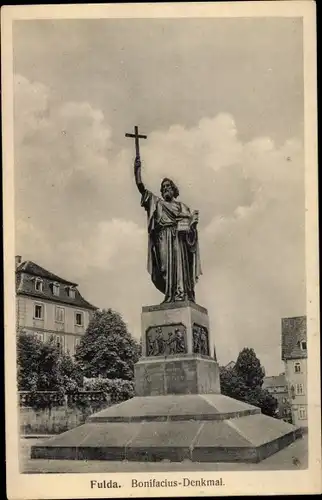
161 296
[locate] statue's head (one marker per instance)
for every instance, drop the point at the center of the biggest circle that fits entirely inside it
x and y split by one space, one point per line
168 189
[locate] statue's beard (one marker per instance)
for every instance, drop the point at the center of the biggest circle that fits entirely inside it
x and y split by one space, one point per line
167 195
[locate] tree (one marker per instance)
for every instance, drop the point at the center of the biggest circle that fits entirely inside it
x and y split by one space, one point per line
249 368
244 382
232 385
71 377
261 398
107 349
28 355
42 367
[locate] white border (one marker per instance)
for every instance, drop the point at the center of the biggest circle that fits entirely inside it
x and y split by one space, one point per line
63 486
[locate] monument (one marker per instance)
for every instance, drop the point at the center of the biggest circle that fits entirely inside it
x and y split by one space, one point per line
175 334
178 412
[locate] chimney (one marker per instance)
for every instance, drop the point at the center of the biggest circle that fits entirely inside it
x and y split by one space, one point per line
18 260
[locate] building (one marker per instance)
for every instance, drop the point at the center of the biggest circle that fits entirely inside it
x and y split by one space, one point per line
294 355
48 305
230 365
277 387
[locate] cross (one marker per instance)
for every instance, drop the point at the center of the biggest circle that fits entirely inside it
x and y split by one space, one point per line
137 136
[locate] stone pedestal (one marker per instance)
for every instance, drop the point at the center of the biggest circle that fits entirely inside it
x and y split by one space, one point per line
176 352
175 328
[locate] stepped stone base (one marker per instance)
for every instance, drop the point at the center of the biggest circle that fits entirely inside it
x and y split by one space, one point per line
178 413
196 427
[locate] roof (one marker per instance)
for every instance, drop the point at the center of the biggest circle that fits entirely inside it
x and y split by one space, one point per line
275 381
25 285
293 333
231 364
31 268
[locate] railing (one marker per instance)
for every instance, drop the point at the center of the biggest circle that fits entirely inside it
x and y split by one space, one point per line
46 399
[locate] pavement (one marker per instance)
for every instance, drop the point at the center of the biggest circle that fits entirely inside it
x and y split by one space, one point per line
293 457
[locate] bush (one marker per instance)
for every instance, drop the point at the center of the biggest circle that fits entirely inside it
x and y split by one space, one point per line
119 390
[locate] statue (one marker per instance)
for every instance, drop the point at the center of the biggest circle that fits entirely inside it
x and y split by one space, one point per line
158 345
176 342
173 248
200 340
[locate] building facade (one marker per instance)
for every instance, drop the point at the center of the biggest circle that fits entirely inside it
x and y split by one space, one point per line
50 306
294 355
277 387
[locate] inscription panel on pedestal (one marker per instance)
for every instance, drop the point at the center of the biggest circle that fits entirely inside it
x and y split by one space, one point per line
200 340
164 340
176 378
154 380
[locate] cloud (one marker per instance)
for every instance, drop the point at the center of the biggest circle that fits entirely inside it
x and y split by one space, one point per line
78 213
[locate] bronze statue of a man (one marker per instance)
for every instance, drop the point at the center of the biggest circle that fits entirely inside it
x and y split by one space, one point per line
173 249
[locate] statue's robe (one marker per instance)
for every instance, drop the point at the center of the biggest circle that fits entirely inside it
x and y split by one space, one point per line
173 256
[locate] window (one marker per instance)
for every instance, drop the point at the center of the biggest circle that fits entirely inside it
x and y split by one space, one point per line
299 389
59 340
38 285
71 292
38 311
303 346
79 320
56 287
297 367
77 341
302 413
60 314
39 336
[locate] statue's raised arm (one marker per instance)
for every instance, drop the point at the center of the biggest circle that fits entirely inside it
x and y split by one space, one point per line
137 163
137 175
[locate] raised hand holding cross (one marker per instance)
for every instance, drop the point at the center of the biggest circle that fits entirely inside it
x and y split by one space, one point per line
137 136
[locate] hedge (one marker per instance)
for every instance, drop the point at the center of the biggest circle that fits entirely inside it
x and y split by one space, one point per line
118 389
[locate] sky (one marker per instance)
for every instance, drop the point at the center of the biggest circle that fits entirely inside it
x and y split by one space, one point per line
221 101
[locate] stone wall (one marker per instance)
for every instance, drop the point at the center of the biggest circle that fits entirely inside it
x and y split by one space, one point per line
59 417
50 421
